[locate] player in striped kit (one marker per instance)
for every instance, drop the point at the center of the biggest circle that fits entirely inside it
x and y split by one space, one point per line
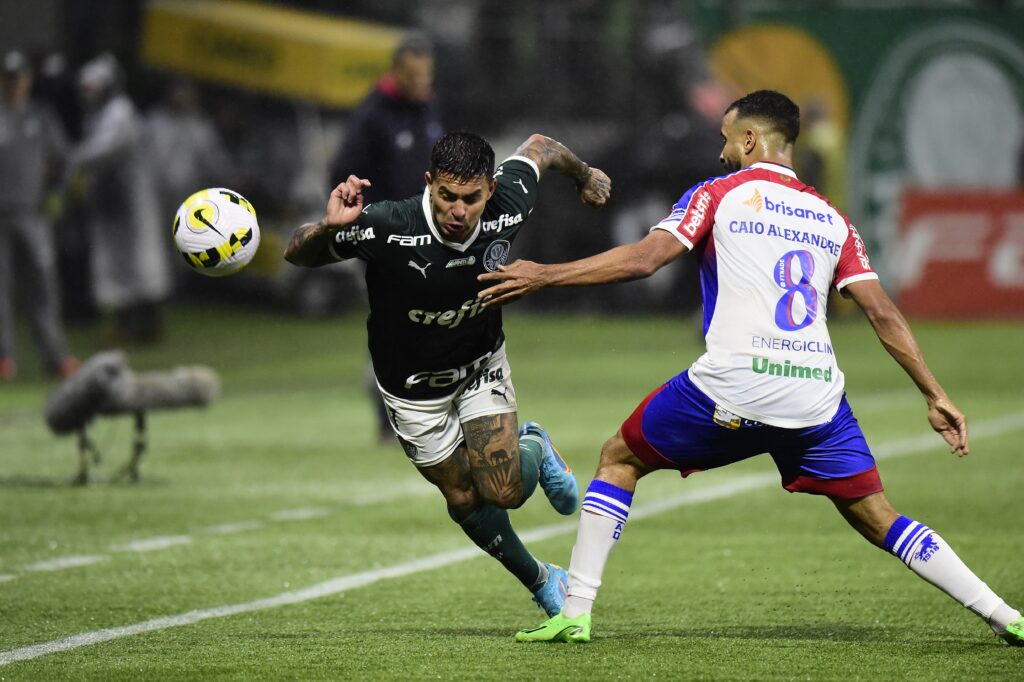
769 249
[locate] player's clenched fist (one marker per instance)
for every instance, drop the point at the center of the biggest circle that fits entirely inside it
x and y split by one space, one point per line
346 202
596 189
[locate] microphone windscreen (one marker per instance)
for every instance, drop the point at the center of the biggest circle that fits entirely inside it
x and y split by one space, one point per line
195 386
75 400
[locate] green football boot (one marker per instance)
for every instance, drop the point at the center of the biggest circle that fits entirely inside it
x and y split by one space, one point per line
558 629
1014 633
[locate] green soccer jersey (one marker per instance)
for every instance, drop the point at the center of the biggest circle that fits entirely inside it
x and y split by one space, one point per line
427 332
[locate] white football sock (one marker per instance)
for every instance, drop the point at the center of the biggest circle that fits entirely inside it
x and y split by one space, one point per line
928 555
605 509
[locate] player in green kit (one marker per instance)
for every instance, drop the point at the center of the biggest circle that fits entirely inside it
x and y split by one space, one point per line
438 356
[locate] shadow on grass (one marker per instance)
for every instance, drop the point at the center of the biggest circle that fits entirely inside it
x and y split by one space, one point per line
26 481
811 632
828 632
919 639
823 632
69 481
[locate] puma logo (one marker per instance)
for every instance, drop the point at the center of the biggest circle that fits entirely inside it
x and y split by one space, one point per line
423 270
501 394
523 185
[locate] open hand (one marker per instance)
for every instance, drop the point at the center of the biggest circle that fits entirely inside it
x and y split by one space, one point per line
950 423
521 278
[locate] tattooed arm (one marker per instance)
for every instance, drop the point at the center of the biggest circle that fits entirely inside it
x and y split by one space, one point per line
593 185
308 245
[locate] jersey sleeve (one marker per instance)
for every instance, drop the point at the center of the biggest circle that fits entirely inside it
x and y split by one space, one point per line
693 217
360 239
853 265
518 180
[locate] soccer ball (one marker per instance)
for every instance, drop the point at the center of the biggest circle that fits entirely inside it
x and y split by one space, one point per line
215 231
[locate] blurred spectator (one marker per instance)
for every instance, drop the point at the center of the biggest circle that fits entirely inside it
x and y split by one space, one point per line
670 140
184 150
32 152
390 135
128 255
820 157
55 84
388 141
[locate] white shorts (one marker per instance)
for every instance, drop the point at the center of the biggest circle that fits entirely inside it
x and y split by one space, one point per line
431 430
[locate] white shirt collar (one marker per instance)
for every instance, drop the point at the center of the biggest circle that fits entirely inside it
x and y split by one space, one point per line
460 247
777 167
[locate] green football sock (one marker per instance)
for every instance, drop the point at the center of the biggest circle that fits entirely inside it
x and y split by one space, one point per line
531 452
489 528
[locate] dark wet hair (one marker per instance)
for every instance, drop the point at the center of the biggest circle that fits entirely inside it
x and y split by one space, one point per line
772 107
462 156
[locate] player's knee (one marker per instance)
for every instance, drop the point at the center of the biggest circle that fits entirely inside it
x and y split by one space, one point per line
618 463
461 501
613 449
616 453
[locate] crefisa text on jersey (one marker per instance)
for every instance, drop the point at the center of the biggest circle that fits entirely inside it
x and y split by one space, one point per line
501 222
447 318
354 234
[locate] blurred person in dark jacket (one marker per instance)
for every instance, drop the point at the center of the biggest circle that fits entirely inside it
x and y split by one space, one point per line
32 153
389 139
128 247
391 133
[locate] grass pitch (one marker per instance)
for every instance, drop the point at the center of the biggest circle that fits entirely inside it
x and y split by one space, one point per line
272 499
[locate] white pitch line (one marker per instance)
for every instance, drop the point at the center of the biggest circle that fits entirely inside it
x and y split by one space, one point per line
412 487
994 427
301 514
151 544
65 562
4 577
226 528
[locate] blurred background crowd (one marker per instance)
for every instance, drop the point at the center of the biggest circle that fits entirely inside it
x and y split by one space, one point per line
114 112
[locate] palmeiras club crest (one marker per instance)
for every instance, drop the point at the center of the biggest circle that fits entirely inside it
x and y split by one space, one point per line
496 254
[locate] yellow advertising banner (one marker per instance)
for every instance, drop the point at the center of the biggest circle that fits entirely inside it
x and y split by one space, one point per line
269 49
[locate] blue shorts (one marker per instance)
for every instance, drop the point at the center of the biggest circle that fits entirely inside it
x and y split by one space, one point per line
675 427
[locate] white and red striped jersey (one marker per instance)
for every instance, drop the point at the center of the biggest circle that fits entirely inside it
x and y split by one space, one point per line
769 248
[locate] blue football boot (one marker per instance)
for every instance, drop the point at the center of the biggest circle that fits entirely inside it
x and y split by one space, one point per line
556 479
551 595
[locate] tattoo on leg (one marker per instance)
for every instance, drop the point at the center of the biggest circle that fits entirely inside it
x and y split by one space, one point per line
453 477
493 446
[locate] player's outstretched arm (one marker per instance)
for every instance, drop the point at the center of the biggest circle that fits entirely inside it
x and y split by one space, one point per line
592 184
894 333
621 264
308 245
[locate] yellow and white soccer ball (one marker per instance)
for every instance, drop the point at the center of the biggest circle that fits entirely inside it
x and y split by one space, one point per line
215 230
